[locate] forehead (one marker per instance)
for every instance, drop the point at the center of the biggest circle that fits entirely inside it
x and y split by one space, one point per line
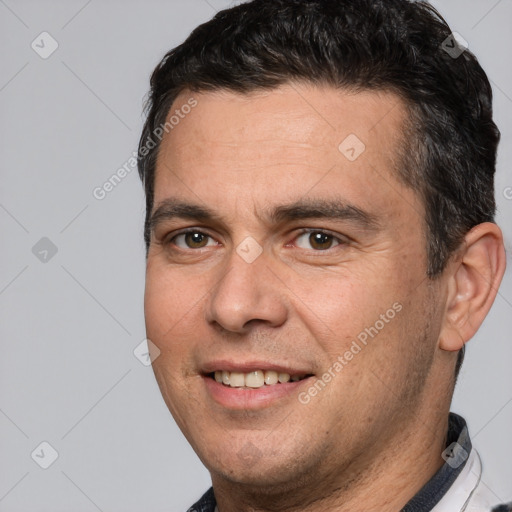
281 143
301 113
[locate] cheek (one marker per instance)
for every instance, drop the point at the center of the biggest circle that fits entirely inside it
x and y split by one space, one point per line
344 303
364 316
168 299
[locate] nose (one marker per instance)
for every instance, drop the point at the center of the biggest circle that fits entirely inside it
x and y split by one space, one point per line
247 293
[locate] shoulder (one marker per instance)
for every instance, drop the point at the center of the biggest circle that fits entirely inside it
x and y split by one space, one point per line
506 507
206 503
484 500
470 492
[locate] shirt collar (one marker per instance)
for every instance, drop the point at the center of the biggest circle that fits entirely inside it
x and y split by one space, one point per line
458 447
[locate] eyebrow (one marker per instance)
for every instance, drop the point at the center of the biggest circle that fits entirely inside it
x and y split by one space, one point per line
333 209
170 208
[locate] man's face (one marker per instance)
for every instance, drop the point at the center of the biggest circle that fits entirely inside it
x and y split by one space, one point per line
312 254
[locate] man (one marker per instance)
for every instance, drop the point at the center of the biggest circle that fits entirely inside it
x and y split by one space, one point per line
321 245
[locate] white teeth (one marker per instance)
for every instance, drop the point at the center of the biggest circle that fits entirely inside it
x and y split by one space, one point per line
255 379
237 380
283 377
271 378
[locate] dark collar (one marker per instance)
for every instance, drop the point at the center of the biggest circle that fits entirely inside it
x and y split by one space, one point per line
206 504
431 493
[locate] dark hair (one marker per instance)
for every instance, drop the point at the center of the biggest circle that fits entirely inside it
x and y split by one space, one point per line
449 141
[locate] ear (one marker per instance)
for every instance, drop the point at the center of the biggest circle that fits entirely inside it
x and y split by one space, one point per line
473 281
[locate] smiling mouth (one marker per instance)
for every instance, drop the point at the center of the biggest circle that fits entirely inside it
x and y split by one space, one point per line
255 379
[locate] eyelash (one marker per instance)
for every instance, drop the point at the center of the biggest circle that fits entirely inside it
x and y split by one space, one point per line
302 232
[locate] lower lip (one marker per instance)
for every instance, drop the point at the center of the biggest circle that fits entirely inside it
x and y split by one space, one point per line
251 398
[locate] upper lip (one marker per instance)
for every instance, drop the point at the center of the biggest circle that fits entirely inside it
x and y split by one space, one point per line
252 366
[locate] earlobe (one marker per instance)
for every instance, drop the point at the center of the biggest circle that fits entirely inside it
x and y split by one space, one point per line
477 273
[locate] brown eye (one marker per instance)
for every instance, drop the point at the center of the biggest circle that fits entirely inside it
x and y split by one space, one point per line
192 240
320 240
317 240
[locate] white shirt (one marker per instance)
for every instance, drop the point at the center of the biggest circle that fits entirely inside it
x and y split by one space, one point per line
468 493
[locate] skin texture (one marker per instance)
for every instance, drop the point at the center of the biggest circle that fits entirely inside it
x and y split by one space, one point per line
301 307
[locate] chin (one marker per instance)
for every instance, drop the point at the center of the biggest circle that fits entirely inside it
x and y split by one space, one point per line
256 467
258 477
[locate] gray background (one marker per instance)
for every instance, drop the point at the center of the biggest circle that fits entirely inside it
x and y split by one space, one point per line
70 324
